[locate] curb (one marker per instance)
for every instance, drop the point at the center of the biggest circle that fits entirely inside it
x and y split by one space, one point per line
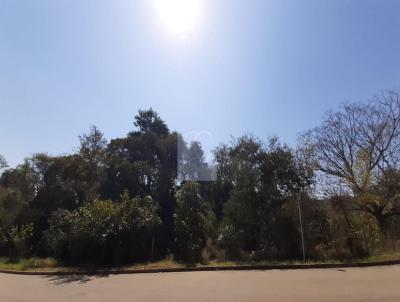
204 269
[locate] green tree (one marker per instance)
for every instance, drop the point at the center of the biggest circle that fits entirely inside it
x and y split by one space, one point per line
92 154
262 180
149 121
191 222
145 163
18 187
191 162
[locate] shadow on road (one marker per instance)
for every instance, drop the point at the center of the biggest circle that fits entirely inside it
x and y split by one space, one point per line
67 279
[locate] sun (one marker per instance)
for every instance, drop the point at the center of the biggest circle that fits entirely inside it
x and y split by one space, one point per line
179 16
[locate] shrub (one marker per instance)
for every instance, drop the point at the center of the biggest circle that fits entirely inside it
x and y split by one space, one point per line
104 232
17 240
230 240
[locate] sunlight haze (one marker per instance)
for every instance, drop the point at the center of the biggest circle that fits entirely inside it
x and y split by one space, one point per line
179 16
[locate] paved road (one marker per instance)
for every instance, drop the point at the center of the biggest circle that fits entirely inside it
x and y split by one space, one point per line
320 285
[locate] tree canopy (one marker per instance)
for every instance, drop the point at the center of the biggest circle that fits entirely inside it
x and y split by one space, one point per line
150 194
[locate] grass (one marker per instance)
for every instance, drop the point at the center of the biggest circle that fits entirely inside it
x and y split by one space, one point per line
382 257
24 264
50 264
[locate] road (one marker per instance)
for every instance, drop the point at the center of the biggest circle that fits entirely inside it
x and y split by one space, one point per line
320 285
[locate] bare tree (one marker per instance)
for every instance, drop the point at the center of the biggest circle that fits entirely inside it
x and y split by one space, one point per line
353 150
358 143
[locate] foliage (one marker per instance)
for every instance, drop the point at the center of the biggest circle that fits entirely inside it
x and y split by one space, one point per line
99 230
262 181
17 239
133 198
191 221
3 162
148 121
191 162
28 263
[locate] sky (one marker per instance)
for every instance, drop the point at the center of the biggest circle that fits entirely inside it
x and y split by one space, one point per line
260 67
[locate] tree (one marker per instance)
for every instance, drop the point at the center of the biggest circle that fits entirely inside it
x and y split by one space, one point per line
261 180
134 199
149 121
92 152
18 187
191 162
357 143
92 146
3 163
143 158
145 163
191 220
356 146
383 200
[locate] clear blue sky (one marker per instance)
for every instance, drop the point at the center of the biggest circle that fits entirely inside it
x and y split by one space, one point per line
262 67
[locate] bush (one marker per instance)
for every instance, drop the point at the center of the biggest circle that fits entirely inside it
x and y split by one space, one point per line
230 240
17 240
104 232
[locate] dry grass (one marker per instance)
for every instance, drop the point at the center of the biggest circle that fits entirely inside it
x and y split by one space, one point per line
28 264
50 264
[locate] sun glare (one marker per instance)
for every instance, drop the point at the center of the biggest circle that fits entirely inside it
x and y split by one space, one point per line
179 16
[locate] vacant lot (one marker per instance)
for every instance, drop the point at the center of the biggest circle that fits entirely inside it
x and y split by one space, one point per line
319 285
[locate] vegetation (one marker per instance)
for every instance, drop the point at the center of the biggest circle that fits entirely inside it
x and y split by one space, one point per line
140 198
103 231
23 264
191 221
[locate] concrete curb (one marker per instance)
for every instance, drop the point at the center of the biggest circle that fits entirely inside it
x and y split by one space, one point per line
203 269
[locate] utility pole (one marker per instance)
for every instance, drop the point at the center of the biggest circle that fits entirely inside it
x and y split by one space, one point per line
301 227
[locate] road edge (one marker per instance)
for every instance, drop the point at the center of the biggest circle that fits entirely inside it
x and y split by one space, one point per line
204 268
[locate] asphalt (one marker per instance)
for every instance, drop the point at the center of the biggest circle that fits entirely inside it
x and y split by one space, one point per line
320 285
